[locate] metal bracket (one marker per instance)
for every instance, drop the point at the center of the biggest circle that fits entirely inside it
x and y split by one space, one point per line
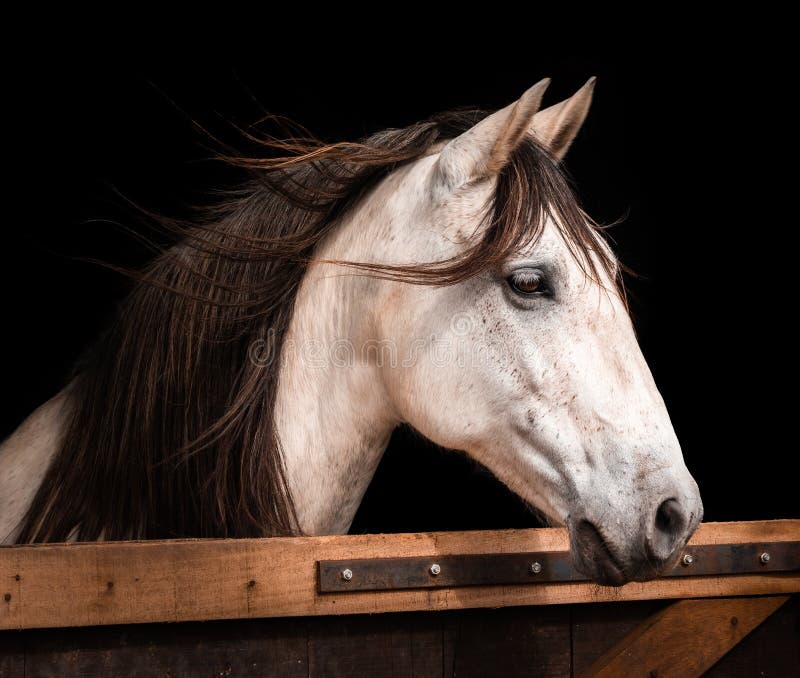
384 574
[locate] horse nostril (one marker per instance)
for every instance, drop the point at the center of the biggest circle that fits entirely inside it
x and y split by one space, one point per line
669 527
668 516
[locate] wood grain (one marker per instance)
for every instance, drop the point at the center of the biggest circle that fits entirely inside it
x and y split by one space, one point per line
597 628
135 582
509 642
512 643
269 647
12 654
685 639
388 646
772 649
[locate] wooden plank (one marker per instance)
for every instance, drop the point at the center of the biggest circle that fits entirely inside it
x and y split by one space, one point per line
12 654
135 582
275 648
508 642
598 627
511 642
386 646
686 638
772 649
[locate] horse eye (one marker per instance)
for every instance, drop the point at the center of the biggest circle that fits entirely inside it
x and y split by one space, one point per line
528 283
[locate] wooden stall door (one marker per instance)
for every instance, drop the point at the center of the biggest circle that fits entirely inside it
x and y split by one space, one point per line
545 641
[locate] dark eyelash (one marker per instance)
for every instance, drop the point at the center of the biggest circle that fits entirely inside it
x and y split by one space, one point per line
522 277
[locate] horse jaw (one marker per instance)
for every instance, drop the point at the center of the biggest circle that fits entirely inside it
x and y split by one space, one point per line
24 459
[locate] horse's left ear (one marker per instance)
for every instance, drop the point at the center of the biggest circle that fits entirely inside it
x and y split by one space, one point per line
556 127
484 149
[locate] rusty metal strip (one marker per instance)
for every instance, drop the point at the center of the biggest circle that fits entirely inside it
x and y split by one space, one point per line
383 574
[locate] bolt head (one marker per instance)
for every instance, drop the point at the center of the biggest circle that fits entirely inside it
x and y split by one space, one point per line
687 559
347 574
764 558
435 569
536 568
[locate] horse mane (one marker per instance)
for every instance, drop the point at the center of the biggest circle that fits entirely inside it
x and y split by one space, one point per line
171 431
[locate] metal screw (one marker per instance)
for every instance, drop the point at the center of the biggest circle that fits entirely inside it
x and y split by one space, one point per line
435 569
536 568
687 559
764 558
347 574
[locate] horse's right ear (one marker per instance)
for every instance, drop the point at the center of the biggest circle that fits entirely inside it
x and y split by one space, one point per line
556 127
484 149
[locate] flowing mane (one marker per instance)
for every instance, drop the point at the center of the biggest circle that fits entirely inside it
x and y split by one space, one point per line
171 431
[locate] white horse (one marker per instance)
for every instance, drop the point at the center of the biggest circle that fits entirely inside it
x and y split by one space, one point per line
445 279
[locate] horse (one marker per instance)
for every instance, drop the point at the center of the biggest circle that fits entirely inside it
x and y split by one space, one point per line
441 276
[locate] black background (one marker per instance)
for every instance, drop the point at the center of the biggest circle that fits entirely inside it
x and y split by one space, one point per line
687 148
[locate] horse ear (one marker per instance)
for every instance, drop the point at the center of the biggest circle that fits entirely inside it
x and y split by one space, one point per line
484 149
556 127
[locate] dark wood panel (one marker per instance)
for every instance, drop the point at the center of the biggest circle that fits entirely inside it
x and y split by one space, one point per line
506 642
509 642
254 648
598 628
12 654
383 646
771 650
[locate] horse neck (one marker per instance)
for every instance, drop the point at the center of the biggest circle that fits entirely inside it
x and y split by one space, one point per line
334 415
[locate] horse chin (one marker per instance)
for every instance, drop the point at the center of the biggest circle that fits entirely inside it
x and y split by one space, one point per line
594 557
649 570
605 573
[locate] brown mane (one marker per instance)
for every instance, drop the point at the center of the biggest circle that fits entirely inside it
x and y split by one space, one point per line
171 432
